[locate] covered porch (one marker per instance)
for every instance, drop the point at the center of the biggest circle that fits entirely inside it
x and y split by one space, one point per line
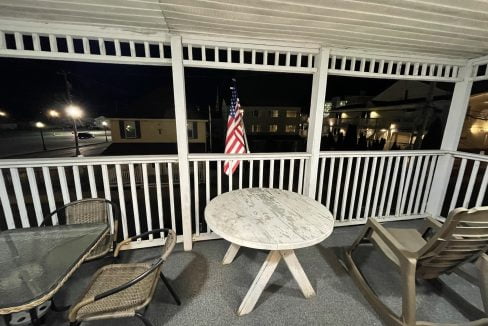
423 41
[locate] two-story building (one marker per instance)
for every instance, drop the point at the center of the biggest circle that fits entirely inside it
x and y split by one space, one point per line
276 120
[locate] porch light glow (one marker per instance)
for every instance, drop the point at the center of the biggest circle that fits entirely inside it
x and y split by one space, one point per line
40 124
104 123
3 114
74 112
374 115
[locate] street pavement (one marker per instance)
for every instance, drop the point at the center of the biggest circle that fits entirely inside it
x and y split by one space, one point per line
28 144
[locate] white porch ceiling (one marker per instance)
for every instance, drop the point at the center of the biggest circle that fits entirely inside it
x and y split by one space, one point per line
448 28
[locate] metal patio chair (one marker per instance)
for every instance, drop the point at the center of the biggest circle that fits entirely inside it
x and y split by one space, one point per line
462 238
91 210
124 290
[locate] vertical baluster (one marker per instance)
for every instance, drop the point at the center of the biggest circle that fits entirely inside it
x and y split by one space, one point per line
241 56
421 184
346 188
53 45
277 58
362 65
354 188
69 43
204 53
229 55
101 45
216 51
428 184
401 188
161 50
299 59
389 68
338 187
241 171
230 175
333 62
271 173
310 61
386 186
251 172
147 52
219 177
407 183
329 182
321 180
300 176
132 48
171 196
197 197
471 182
147 198
108 195
265 57
282 170
484 183
4 199
50 193
63 184
93 184
290 174
120 190
135 204
36 201
415 185
2 41
19 197
19 41
416 69
382 66
361 190
207 181
76 177
118 51
261 168
370 187
378 186
287 60
159 196
86 46
392 186
190 52
459 182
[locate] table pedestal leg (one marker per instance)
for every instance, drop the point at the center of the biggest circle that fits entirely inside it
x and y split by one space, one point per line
265 273
296 270
259 283
230 254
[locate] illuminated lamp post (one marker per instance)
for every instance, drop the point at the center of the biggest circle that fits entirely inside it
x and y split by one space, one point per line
75 113
41 126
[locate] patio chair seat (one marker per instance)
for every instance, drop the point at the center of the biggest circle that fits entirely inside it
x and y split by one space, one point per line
410 239
124 303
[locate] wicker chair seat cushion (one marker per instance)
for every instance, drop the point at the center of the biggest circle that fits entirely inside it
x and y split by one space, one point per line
121 304
102 248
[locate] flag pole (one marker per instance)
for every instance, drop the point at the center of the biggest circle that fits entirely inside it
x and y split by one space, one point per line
245 134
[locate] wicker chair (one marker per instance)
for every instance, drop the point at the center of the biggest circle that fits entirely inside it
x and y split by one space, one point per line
91 210
124 290
462 238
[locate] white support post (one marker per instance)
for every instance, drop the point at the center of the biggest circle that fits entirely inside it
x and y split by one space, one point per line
319 86
450 141
182 137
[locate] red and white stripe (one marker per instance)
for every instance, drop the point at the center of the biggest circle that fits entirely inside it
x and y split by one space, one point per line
234 141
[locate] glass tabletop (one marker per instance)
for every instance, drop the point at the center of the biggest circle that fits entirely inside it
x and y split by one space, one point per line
34 260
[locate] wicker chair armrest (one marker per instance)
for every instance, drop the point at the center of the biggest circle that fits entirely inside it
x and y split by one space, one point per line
430 223
125 242
155 264
389 240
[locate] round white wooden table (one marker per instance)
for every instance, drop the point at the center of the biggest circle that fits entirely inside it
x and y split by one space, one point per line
269 219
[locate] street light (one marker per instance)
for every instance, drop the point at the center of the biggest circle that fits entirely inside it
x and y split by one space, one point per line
105 124
53 113
74 113
41 126
3 114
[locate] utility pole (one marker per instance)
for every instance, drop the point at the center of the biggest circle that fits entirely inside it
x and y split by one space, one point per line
210 128
70 101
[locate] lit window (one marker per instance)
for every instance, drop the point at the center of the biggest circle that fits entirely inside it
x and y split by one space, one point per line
130 130
327 106
274 113
290 128
273 128
291 113
192 128
255 128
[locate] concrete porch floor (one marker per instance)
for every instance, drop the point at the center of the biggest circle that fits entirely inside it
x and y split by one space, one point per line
211 292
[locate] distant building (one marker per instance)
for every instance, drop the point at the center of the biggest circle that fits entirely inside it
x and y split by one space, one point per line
475 130
135 130
98 122
274 120
401 114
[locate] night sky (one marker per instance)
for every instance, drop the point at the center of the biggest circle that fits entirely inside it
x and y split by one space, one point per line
28 88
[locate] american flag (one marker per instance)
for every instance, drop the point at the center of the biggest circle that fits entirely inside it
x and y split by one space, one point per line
234 141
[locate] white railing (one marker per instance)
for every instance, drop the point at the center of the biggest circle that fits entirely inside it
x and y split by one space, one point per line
144 188
467 183
390 185
277 170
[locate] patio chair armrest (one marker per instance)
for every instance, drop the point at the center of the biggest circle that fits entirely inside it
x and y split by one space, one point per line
49 217
430 223
389 240
73 311
125 242
156 264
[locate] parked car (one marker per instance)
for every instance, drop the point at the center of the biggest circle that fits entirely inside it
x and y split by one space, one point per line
85 135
